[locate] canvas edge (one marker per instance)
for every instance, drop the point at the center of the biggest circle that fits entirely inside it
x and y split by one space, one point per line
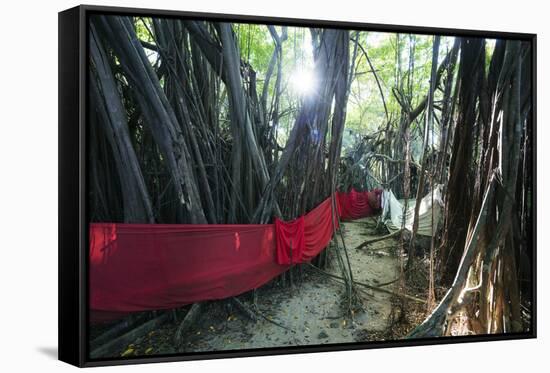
73 313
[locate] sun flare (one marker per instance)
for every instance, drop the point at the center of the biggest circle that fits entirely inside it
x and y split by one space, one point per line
303 81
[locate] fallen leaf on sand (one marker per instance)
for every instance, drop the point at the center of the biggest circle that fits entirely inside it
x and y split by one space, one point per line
128 352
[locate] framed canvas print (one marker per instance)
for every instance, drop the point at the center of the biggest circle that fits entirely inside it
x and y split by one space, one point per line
236 186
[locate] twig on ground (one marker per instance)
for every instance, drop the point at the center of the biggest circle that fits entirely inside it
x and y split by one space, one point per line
376 288
377 239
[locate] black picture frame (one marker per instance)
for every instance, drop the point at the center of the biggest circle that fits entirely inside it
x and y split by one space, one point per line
73 218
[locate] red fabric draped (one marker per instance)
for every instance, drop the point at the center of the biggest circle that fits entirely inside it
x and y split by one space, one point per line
139 267
318 229
290 240
356 205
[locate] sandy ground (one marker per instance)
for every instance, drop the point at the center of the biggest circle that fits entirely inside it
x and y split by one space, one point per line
308 313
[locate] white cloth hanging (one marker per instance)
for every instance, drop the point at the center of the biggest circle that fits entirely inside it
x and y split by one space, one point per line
393 210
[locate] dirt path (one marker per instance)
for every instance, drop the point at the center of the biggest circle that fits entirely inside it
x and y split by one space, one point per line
310 311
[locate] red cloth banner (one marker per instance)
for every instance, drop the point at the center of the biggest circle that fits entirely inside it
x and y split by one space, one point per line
290 240
319 226
356 205
140 267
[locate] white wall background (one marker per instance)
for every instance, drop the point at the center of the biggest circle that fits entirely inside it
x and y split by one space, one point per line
28 183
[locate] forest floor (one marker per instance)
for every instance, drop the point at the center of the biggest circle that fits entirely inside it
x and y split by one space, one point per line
310 312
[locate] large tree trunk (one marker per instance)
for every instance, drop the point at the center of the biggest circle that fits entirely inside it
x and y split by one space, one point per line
460 186
121 36
486 287
305 149
106 102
